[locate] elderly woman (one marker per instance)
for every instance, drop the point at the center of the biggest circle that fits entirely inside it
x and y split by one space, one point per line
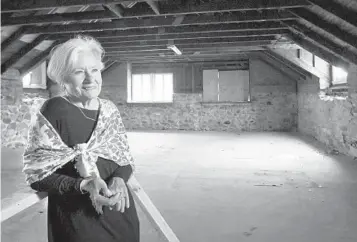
78 153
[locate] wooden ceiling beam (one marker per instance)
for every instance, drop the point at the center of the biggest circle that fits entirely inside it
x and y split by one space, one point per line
158 22
344 13
251 33
321 40
216 39
116 9
316 50
130 33
194 47
20 5
109 64
191 6
15 36
330 28
154 5
59 18
188 57
23 51
38 59
119 13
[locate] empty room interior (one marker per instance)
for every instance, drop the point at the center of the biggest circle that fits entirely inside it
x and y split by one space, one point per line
241 116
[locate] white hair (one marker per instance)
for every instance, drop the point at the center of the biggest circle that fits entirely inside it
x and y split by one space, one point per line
64 56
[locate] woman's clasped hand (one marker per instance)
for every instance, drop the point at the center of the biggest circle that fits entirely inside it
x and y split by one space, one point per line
115 195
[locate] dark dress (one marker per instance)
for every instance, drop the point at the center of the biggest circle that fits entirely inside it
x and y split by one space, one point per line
71 216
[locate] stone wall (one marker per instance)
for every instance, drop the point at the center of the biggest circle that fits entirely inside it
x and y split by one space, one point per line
17 107
273 105
332 121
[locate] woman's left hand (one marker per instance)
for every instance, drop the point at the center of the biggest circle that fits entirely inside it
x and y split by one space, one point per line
118 187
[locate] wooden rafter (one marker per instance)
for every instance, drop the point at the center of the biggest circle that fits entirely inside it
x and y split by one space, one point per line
330 28
320 40
116 9
19 5
316 50
23 51
110 64
344 13
154 5
16 35
38 59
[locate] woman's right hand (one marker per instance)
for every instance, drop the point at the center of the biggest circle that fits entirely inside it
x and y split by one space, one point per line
99 193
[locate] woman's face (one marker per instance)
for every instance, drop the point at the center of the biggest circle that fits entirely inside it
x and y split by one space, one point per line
85 80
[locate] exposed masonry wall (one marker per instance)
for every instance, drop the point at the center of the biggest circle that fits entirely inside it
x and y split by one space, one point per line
273 106
17 107
330 120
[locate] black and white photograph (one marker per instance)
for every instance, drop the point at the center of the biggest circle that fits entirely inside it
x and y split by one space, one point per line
178 120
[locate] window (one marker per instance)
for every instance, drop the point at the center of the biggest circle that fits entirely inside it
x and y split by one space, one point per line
35 78
151 88
226 86
339 76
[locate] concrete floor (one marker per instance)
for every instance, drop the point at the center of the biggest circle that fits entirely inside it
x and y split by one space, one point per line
230 187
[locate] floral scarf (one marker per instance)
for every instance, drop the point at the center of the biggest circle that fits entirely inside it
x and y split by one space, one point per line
46 152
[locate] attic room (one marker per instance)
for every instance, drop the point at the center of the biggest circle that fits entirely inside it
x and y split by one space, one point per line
240 115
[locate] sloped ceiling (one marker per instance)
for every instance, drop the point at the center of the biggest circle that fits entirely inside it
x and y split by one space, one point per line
140 31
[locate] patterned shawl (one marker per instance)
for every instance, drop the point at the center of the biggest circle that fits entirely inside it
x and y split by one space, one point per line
46 152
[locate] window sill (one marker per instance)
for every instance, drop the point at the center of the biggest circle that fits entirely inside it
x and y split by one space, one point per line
226 103
33 88
149 104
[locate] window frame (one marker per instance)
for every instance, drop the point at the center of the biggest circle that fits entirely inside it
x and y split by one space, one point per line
130 99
